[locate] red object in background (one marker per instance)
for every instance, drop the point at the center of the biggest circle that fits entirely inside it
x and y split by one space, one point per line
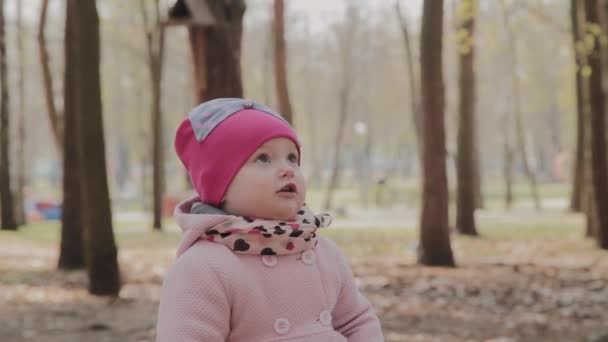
48 210
40 206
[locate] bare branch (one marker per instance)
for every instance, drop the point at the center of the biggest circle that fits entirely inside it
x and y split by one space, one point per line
54 116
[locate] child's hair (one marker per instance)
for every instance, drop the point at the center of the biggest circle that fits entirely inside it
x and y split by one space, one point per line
219 136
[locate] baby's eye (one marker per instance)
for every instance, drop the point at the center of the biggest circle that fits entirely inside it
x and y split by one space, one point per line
292 157
263 158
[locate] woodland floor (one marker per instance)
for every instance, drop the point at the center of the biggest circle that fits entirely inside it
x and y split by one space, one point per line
534 281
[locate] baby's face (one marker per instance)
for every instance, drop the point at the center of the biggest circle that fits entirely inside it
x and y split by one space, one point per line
270 184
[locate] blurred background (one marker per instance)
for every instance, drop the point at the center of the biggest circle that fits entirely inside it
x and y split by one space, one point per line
459 144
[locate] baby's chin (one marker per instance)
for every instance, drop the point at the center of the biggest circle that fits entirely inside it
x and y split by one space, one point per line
284 215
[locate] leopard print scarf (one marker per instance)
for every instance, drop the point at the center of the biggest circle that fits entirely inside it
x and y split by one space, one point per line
245 235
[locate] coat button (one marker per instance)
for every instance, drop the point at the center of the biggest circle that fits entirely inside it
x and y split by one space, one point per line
281 326
308 257
325 318
269 260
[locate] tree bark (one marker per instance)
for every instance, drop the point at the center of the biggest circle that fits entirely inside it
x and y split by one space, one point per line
312 122
589 204
584 115
47 80
216 52
21 150
478 175
413 82
346 40
434 248
508 165
519 126
71 249
598 130
155 38
7 210
337 163
577 182
100 248
280 61
466 161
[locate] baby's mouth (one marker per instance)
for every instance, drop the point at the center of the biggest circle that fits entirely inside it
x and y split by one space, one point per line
289 188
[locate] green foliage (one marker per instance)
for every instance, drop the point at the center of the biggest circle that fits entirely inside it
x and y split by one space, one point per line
592 35
466 11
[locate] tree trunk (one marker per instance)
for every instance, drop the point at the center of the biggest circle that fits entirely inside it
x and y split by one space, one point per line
477 179
576 199
434 248
158 169
465 211
21 150
587 202
598 130
521 146
508 166
47 80
71 250
519 126
588 196
366 161
268 84
100 249
216 52
346 44
7 210
280 61
577 182
198 46
413 82
155 38
335 170
311 121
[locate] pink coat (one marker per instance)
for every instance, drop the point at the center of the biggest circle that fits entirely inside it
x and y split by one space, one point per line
212 294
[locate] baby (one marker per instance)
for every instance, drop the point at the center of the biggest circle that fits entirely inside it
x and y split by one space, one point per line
250 266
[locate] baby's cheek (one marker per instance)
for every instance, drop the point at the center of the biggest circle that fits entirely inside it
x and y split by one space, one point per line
302 186
302 200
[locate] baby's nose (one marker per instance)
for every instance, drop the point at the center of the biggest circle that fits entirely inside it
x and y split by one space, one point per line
287 171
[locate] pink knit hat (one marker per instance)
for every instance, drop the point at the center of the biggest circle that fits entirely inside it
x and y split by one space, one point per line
219 136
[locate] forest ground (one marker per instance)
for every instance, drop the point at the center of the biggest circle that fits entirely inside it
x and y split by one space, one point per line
531 276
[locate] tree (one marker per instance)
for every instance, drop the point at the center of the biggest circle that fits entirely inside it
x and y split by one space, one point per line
414 84
155 39
7 211
100 248
577 182
507 151
215 31
598 127
20 153
517 108
434 248
47 78
71 248
346 47
582 190
465 209
280 61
